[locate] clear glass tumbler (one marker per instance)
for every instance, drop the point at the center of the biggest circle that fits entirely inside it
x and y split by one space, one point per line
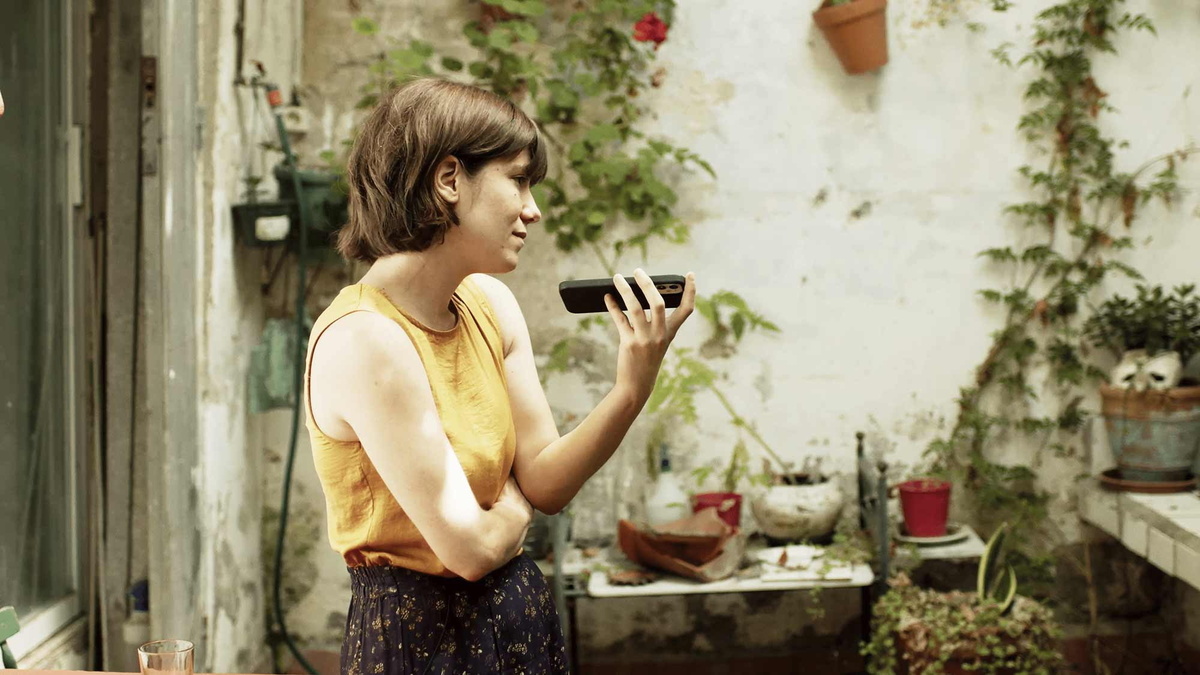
166 657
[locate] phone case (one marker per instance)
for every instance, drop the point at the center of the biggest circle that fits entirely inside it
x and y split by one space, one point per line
586 296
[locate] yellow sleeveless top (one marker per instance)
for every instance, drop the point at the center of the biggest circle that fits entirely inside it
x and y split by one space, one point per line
465 367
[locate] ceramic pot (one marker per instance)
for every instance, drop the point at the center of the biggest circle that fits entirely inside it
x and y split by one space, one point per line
857 33
727 504
925 503
798 512
1154 435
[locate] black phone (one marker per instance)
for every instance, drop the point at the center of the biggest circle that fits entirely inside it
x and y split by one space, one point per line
586 296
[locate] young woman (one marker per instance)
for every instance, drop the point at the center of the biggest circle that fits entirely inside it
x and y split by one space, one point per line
430 431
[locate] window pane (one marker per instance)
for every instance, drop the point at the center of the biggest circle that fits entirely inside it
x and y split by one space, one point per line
37 564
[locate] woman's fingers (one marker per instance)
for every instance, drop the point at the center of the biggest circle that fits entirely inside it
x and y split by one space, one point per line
686 305
637 314
658 308
618 317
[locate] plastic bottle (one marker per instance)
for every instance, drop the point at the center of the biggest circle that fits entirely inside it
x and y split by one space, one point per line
667 501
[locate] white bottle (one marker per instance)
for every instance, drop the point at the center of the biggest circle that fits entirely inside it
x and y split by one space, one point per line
667 501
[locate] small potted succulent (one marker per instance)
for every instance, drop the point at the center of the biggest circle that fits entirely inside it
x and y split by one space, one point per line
856 31
993 630
1151 411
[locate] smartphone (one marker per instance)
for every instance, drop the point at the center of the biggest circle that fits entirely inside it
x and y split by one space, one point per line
586 296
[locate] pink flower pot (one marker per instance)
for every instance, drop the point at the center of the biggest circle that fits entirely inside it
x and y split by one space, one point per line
728 505
926 505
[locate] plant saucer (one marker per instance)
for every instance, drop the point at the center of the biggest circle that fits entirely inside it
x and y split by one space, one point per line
954 533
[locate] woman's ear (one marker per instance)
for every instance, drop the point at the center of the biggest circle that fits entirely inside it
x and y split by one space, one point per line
448 179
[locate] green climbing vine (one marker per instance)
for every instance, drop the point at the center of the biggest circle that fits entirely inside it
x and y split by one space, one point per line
1031 384
583 72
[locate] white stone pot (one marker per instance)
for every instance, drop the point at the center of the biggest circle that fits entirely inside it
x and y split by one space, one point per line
795 512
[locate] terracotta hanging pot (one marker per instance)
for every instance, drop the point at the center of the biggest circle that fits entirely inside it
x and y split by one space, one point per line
857 33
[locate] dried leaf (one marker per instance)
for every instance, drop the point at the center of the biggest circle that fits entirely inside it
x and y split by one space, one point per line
1074 206
631 578
1040 311
1091 95
1129 200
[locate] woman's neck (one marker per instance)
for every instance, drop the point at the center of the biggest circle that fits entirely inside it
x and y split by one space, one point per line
420 283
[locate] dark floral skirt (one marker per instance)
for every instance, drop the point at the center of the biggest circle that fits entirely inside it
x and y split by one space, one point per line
401 621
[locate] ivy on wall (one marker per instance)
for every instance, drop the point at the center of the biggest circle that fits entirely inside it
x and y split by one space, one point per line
1082 213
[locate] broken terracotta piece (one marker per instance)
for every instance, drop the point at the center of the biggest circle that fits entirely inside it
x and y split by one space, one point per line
700 546
632 577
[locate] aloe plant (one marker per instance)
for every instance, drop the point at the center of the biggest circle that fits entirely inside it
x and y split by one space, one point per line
995 583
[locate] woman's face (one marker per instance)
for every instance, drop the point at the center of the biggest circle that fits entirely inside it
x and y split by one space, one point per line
495 210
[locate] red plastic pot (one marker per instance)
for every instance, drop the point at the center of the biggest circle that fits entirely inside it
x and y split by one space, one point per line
728 505
926 505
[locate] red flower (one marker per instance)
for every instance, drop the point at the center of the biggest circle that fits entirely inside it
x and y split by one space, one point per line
650 29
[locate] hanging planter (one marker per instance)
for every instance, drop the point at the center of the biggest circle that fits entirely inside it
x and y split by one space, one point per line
856 31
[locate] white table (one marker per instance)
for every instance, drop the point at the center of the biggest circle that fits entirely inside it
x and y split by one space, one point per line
600 587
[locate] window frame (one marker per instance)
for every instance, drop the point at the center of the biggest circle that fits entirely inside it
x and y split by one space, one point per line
51 619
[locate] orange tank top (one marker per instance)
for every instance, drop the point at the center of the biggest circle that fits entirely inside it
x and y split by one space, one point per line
465 367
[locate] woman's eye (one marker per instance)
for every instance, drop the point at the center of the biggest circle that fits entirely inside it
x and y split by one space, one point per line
521 180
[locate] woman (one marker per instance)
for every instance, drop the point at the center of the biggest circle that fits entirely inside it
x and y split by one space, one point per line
430 431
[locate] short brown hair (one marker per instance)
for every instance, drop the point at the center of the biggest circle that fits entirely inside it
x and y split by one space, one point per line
392 204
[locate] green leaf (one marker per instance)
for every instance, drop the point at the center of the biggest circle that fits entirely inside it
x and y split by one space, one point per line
450 63
499 39
480 70
738 323
365 26
597 217
603 133
525 32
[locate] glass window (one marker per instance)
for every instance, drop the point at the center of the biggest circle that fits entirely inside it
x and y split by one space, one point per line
39 551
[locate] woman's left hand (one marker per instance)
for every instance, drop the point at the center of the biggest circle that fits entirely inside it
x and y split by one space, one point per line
646 332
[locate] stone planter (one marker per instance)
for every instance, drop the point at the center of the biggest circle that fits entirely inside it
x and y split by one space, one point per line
1154 435
798 512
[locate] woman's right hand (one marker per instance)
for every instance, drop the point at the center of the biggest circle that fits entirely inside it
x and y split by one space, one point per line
511 497
645 339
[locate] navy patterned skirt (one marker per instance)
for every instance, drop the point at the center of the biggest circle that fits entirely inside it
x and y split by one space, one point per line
401 621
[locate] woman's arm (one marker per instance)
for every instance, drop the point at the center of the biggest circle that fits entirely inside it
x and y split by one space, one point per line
366 372
552 469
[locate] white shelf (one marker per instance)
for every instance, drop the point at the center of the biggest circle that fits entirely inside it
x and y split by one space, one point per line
1164 529
970 547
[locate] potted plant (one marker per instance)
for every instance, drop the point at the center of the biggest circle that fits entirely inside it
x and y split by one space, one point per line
856 31
1151 412
992 630
799 505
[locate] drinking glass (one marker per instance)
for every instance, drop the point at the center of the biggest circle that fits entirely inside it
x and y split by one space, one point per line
166 657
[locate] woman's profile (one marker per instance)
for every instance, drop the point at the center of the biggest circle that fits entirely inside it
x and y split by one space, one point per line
430 430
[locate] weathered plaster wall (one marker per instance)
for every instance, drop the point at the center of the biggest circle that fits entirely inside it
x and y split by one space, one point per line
231 314
849 210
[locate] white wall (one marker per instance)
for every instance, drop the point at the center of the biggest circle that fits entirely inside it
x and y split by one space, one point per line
880 321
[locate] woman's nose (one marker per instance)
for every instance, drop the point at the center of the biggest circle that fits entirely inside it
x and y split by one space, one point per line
531 214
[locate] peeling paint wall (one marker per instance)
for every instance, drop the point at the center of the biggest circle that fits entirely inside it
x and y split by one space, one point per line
848 210
232 314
